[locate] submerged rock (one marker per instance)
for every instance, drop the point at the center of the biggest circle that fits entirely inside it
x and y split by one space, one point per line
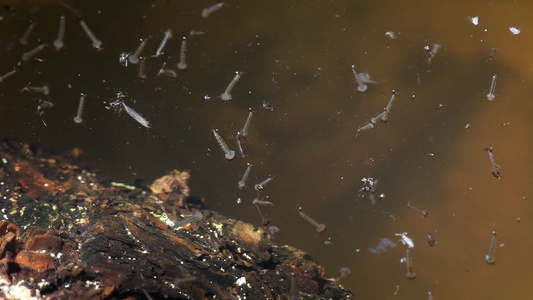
68 234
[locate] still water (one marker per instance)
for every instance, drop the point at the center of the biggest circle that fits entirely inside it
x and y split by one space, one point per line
297 57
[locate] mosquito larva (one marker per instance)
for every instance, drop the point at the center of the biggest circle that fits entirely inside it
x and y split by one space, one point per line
244 130
433 51
58 43
6 75
492 51
365 127
496 169
262 184
226 96
168 35
134 58
211 9
294 292
37 89
361 86
262 202
183 280
77 118
142 68
506 123
264 220
382 116
196 32
147 295
26 56
488 258
171 74
197 216
239 145
391 101
410 274
422 211
319 227
26 36
229 154
74 11
97 44
490 95
182 65
136 116
242 182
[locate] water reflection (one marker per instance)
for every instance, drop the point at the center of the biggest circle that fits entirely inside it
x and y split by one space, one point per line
297 56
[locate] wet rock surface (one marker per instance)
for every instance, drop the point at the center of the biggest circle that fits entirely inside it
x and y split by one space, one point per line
67 234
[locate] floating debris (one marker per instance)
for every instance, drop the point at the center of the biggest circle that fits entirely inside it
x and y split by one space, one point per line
514 30
474 20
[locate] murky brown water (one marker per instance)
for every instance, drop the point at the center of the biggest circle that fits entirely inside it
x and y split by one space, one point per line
297 56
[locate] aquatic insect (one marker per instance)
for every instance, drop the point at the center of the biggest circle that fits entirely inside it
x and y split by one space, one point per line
239 145
391 101
410 274
294 291
262 202
197 216
136 116
496 169
361 86
264 221
119 106
242 182
488 258
262 184
3 77
142 67
423 212
244 130
58 42
26 56
26 36
490 95
320 228
77 118
134 58
171 74
226 96
182 65
97 44
211 9
168 35
433 51
37 89
229 154
492 52
196 32
367 126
